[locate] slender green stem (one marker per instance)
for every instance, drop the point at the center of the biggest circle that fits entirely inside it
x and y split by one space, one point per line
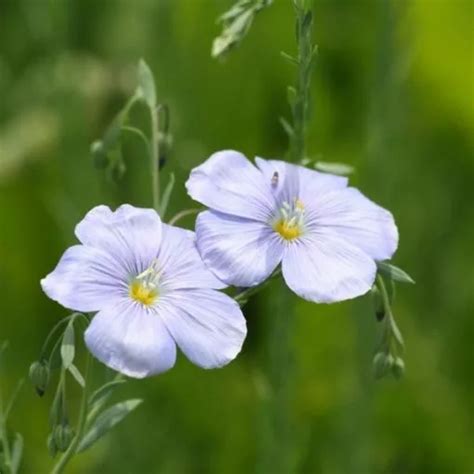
245 294
277 438
52 332
300 109
155 157
139 134
181 214
13 398
71 451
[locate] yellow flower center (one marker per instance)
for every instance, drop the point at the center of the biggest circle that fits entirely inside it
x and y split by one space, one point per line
144 287
290 221
287 230
142 293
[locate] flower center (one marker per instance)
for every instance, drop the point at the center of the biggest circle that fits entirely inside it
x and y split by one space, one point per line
290 221
144 287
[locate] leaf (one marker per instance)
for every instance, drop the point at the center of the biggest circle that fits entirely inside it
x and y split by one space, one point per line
67 345
166 196
106 421
104 392
340 169
395 273
17 452
77 375
146 84
289 58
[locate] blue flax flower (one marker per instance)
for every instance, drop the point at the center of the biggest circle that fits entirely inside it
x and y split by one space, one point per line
326 235
151 290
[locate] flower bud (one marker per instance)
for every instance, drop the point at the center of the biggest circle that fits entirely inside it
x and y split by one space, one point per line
118 171
63 435
398 368
377 300
382 364
39 376
99 155
165 142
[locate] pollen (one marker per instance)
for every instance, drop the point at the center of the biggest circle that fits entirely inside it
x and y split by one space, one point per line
143 293
287 230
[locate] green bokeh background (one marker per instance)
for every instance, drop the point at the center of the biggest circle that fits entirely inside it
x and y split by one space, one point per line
392 95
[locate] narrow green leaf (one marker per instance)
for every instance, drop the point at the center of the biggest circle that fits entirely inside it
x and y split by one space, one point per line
106 421
104 392
17 453
74 371
146 84
166 196
68 345
395 273
289 58
340 169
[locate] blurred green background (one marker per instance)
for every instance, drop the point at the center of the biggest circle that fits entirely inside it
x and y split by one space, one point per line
393 96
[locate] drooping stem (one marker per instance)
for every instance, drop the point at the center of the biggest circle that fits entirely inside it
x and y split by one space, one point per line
155 157
81 423
278 444
181 214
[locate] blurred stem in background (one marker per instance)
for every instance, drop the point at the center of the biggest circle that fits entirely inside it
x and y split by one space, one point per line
277 448
358 419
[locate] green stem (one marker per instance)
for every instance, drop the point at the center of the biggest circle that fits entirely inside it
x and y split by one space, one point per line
245 294
300 109
52 333
181 214
71 451
277 439
155 157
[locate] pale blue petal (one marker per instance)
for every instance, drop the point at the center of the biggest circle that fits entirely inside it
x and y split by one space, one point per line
180 262
131 235
289 181
85 279
131 339
229 183
325 269
239 251
349 215
208 326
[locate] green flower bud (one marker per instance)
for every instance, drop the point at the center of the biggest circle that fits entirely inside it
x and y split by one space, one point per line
118 171
99 155
165 142
63 435
398 368
377 300
382 364
39 376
